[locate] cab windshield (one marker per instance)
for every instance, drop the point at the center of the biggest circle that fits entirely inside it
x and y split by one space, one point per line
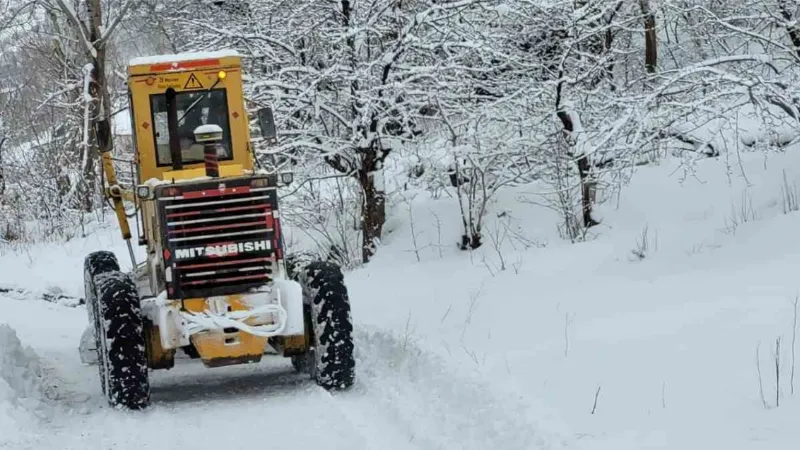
211 108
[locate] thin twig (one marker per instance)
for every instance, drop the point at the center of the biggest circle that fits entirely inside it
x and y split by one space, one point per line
794 339
778 372
760 382
596 395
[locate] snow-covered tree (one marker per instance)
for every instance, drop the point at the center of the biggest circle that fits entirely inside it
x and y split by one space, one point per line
349 80
55 69
571 92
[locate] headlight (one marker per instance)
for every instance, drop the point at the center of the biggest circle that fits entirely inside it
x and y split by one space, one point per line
144 192
287 177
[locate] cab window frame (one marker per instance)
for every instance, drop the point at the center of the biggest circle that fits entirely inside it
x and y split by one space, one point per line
227 135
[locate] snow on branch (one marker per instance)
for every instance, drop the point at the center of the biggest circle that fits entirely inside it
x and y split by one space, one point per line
79 26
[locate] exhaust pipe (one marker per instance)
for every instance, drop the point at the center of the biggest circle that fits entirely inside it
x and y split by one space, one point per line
212 165
210 136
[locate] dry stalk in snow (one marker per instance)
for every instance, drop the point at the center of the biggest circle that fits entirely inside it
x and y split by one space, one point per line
596 396
760 380
794 340
777 372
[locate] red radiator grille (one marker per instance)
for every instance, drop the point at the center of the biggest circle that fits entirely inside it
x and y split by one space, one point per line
220 240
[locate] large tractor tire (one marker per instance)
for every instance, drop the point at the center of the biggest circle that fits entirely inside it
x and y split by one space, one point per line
95 264
122 357
329 360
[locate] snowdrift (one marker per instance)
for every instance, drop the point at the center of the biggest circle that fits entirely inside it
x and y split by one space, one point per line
650 334
22 390
441 406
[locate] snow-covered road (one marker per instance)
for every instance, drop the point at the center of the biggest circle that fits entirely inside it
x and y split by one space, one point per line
403 400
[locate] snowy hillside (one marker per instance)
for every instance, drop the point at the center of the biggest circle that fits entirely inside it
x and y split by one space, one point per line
644 336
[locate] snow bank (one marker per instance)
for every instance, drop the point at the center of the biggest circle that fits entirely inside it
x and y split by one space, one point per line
442 406
56 268
657 351
21 388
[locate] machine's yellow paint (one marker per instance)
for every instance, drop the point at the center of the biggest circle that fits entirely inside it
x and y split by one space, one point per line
148 79
217 348
200 304
116 195
157 356
292 345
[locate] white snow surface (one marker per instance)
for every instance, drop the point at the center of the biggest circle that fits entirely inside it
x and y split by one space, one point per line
570 346
180 57
22 389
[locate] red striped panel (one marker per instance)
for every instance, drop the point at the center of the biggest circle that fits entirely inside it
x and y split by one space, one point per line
214 227
218 210
276 242
223 280
216 192
224 263
269 220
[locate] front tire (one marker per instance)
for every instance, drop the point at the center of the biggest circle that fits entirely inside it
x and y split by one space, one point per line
330 360
96 263
122 355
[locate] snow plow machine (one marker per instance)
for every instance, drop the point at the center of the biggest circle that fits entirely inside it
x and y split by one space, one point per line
216 283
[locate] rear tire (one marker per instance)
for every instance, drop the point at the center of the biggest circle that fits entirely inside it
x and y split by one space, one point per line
96 263
330 360
122 355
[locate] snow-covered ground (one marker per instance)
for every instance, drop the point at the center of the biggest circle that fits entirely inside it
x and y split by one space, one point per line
583 346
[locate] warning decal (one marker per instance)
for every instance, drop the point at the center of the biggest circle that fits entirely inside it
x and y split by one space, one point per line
193 83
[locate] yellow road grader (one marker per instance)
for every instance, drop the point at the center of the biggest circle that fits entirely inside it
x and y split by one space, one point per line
215 283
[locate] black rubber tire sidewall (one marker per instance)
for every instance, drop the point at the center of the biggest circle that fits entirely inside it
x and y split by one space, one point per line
94 264
122 341
332 360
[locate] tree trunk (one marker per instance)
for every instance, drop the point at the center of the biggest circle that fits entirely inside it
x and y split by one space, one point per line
587 191
100 110
99 91
584 166
373 210
792 29
2 179
650 37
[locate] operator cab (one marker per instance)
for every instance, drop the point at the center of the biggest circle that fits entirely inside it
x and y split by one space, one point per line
200 202
171 96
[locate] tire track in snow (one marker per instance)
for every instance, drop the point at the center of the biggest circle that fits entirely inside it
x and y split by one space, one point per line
259 406
404 399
